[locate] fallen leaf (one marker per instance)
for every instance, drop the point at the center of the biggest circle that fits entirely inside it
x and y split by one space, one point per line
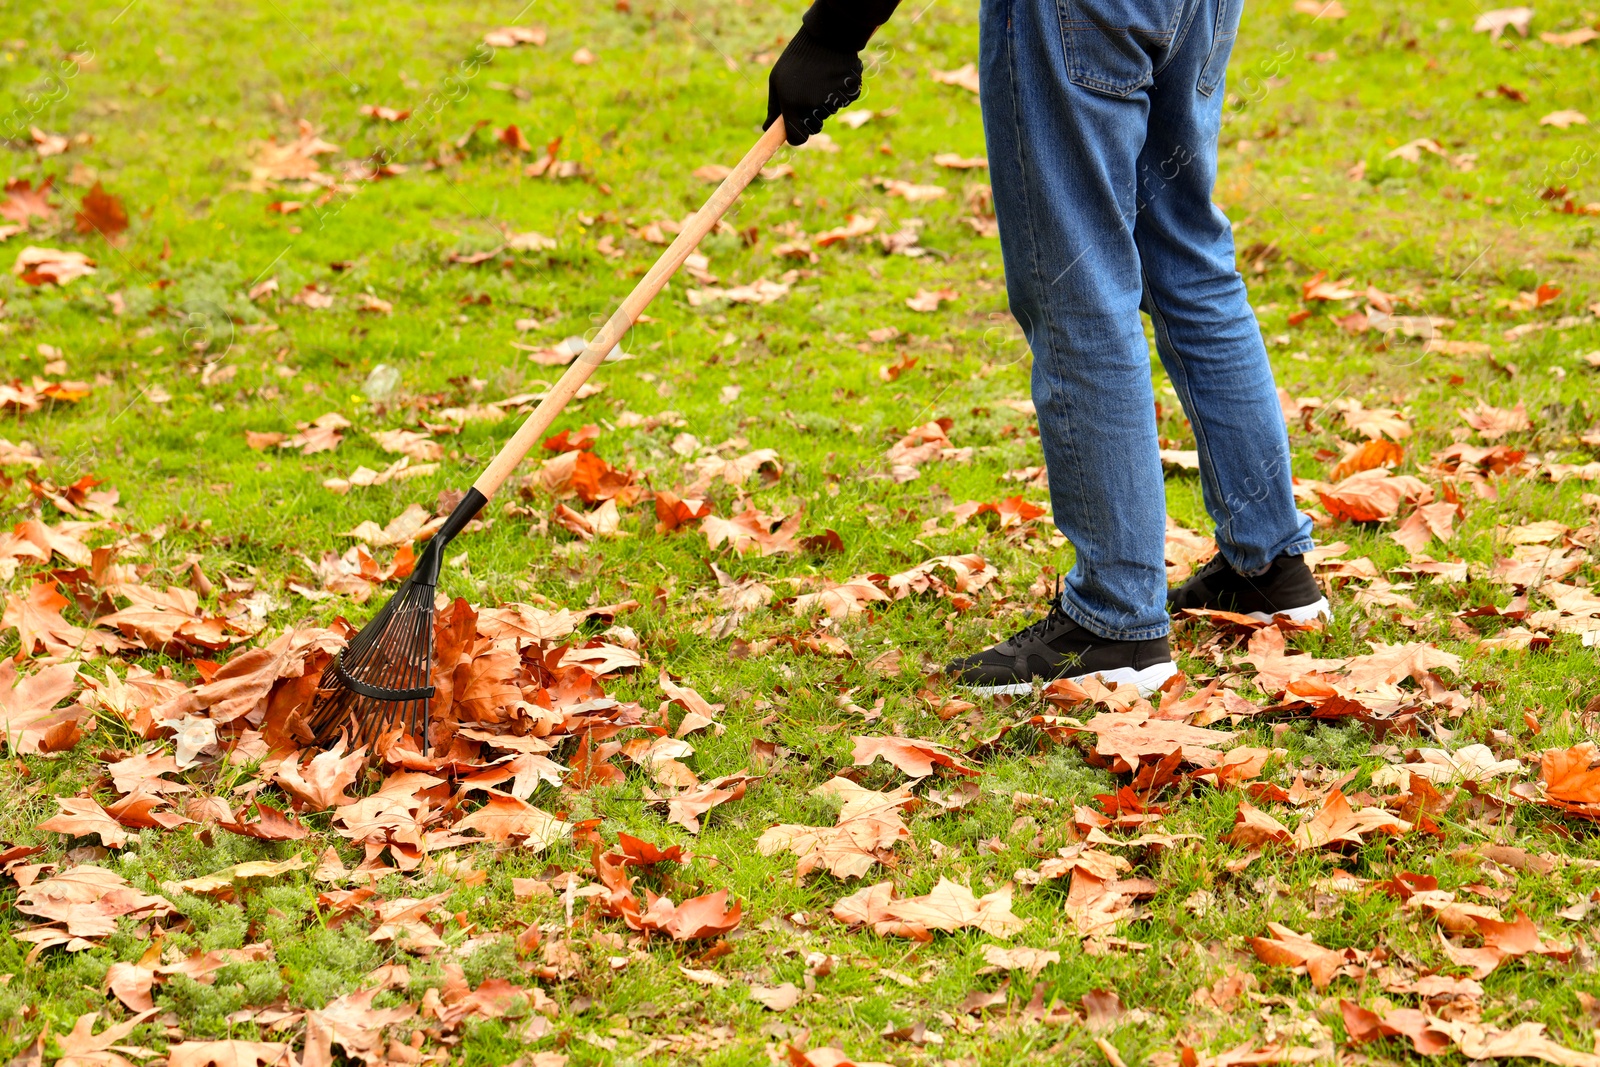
85 902
686 808
292 161
949 906
1570 778
224 880
776 998
1338 824
1493 423
761 291
1564 118
702 977
1426 523
412 524
868 828
131 984
913 193
582 474
270 825
23 200
1029 960
693 920
637 852
102 213
1364 1026
527 624
504 818
1253 828
1285 948
28 705
1370 454
930 299
963 77
1317 287
1373 495
384 114
319 783
82 1045
673 512
854 226
401 469
915 758
351 1022
1572 38
1373 422
82 817
230 1053
1102 1009
840 601
51 266
419 446
511 36
753 531
1495 22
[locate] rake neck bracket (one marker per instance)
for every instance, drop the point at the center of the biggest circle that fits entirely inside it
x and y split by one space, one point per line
428 564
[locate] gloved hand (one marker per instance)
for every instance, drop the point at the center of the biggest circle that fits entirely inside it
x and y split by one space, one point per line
808 83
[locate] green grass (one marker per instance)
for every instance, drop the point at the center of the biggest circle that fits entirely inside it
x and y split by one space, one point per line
173 98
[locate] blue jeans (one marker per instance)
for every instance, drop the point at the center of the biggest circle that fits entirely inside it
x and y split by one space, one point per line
1101 118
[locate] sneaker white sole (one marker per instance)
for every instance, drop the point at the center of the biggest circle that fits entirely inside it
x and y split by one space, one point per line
1308 613
1147 681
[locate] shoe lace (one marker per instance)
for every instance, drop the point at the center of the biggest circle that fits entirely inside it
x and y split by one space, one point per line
1212 567
1051 619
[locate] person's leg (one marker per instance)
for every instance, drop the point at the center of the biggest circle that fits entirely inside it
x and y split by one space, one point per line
1064 100
1205 330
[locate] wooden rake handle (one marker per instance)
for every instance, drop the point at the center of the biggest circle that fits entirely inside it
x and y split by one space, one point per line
622 320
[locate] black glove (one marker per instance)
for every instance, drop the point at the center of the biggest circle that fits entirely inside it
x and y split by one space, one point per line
808 83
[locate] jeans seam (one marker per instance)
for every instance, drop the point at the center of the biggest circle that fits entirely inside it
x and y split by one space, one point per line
1202 442
1298 547
1083 617
1022 189
1185 22
1219 40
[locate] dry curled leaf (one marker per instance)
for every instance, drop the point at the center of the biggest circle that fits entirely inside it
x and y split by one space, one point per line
948 906
911 756
319 783
1285 948
505 818
753 531
1373 495
686 808
1493 423
82 817
101 213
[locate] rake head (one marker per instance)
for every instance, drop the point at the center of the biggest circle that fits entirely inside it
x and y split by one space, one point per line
383 677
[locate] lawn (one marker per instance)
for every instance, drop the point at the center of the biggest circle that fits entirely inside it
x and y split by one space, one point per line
336 249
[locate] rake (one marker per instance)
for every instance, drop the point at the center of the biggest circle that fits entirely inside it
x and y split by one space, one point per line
382 678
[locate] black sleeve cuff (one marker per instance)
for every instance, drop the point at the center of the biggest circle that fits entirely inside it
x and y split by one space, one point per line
847 25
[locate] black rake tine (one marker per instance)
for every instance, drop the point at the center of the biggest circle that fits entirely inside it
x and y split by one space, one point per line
382 678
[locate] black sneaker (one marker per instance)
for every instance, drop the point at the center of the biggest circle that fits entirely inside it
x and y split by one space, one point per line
1056 647
1287 588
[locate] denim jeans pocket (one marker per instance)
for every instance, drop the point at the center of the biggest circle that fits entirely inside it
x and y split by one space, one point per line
1222 37
1113 46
